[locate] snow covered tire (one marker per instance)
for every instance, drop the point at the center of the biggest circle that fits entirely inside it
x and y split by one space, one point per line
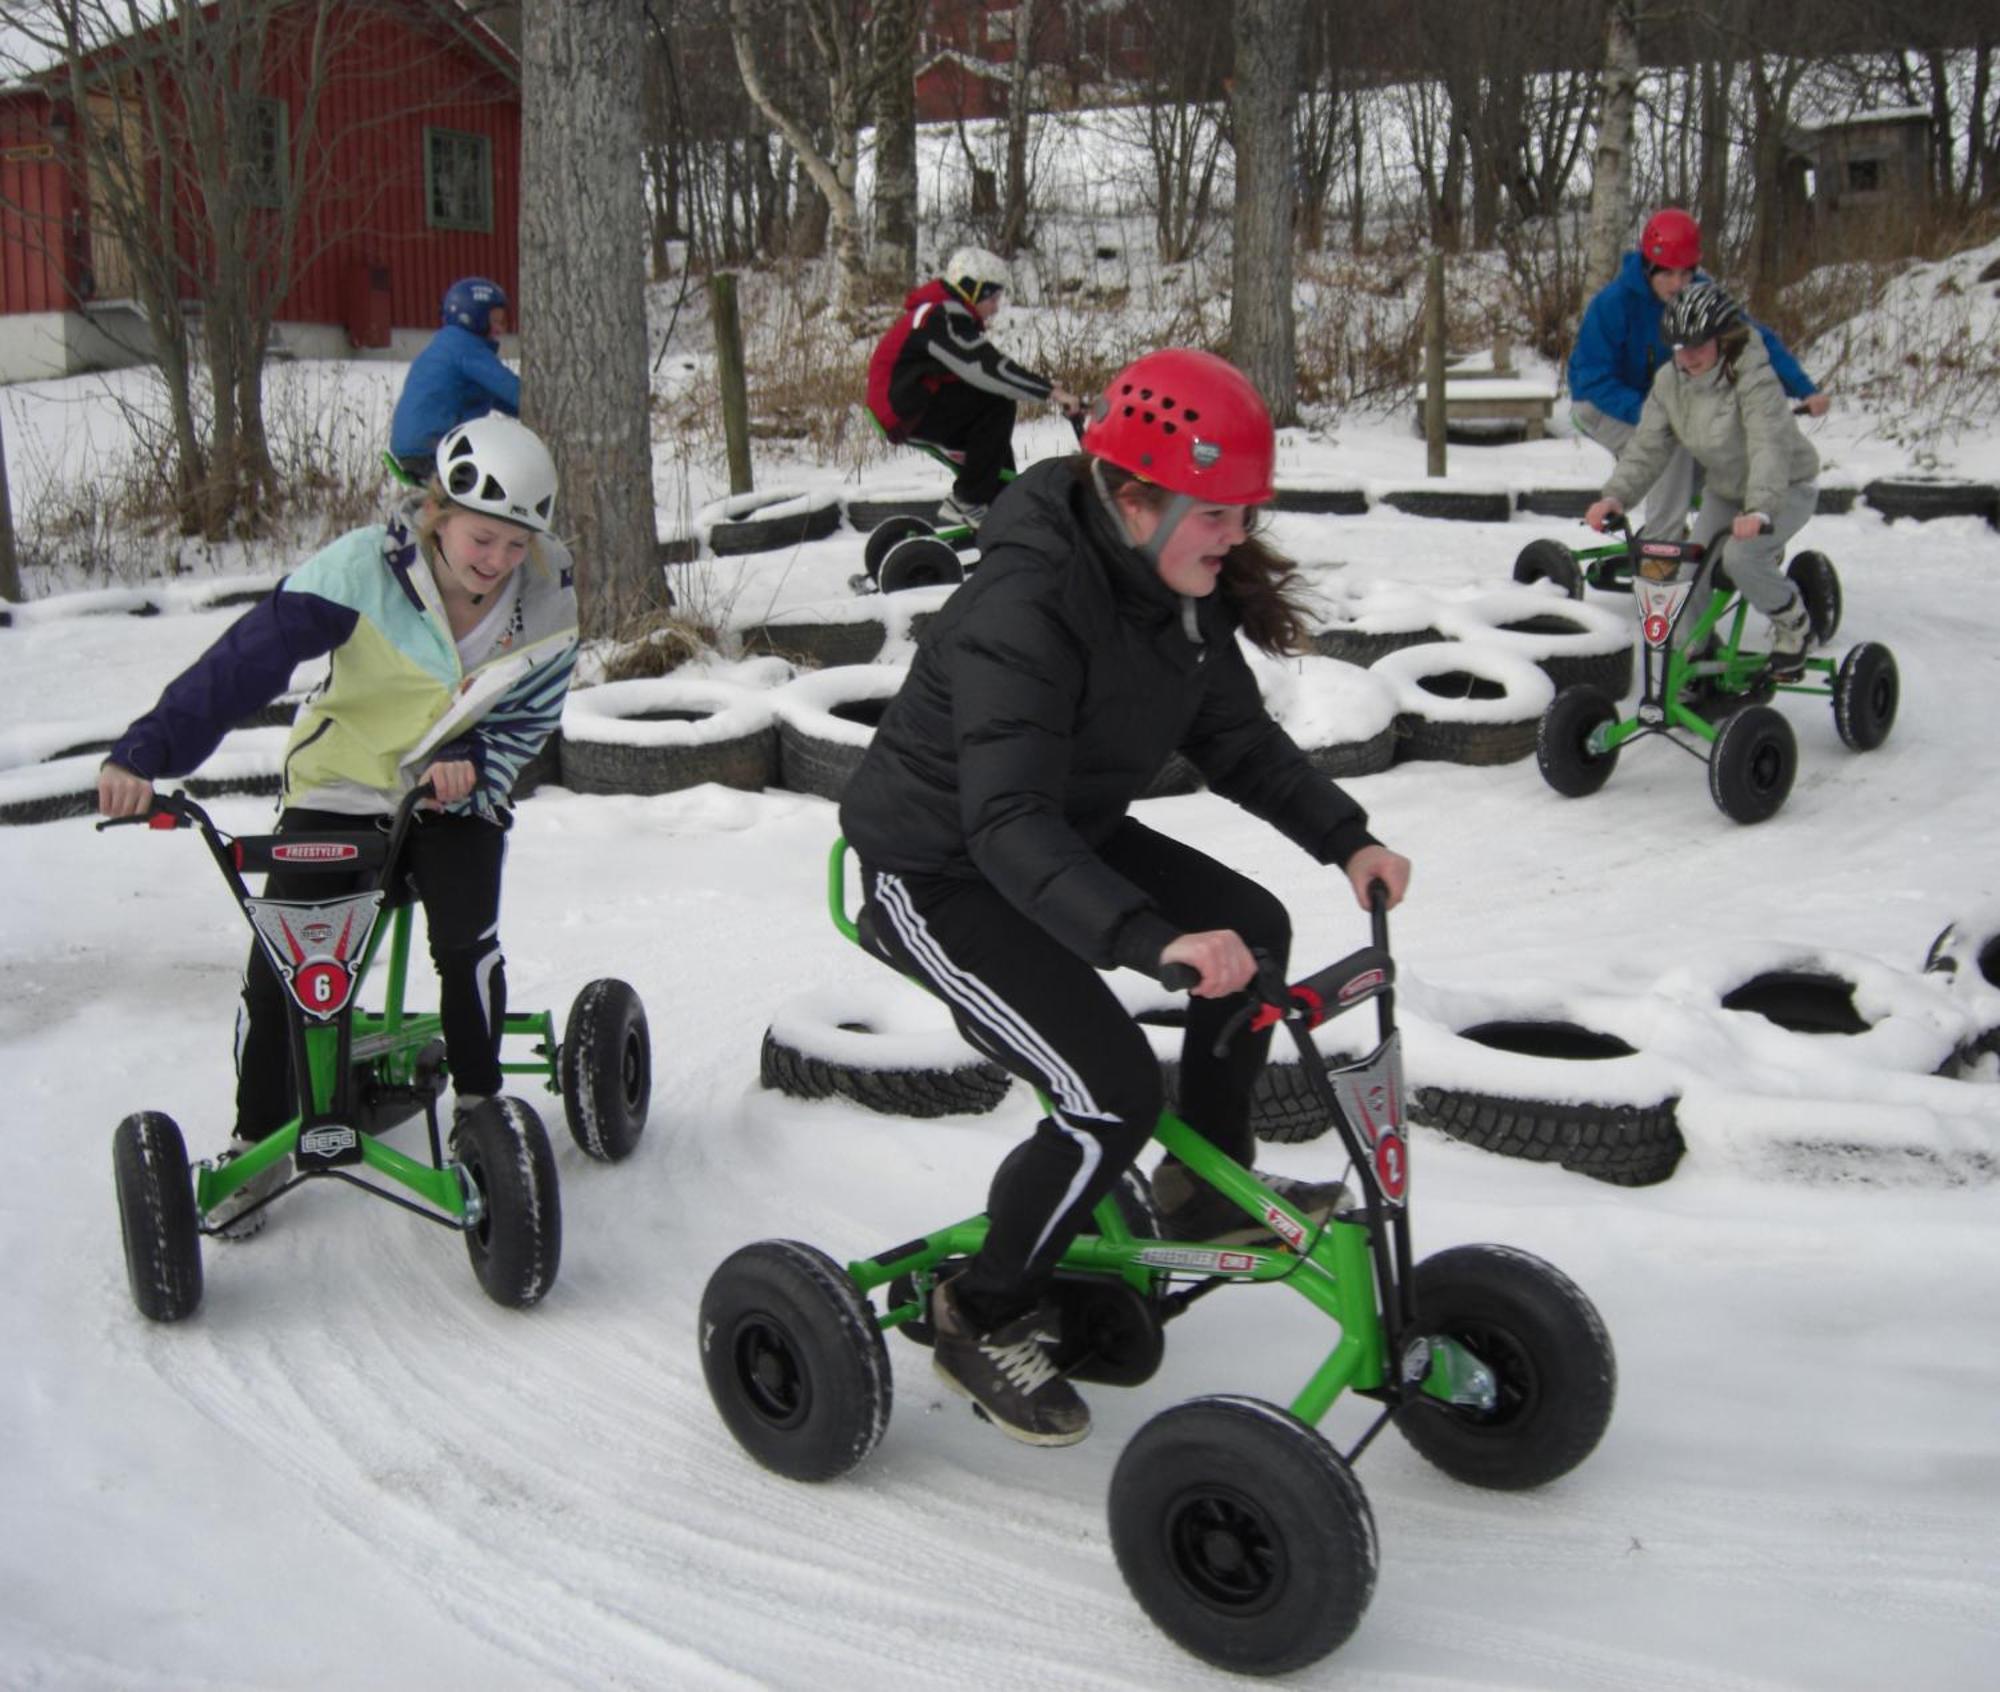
660 735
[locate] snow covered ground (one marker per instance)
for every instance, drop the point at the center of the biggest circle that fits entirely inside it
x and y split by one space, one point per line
350 1469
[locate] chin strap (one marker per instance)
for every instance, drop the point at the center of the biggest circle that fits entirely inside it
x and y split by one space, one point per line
1170 519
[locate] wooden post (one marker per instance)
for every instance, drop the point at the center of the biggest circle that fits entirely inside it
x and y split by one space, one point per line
10 567
729 372
1434 365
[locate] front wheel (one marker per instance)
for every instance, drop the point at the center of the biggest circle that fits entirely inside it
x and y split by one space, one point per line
1243 1534
1865 695
156 1211
919 561
606 1070
516 1244
1751 768
1553 1371
886 534
1563 749
1813 574
794 1360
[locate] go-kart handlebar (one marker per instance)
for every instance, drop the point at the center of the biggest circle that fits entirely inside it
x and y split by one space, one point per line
238 855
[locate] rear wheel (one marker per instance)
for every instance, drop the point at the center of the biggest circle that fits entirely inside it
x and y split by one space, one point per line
1554 1374
1866 692
1243 1535
794 1360
1562 742
156 1211
1813 574
606 1069
1550 561
885 535
920 561
516 1245
1751 768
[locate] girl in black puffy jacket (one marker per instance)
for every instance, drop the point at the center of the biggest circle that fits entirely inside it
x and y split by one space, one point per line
1000 867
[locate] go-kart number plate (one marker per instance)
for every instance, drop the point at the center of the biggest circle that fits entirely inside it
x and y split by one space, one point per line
316 948
1659 604
1371 1099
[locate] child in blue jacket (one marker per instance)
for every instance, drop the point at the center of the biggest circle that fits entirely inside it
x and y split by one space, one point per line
457 377
1619 349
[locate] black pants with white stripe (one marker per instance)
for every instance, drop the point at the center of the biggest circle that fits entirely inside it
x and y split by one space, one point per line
1030 1003
455 862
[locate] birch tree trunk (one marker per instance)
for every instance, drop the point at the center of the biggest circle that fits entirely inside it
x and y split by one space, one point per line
1270 35
832 170
1611 164
583 287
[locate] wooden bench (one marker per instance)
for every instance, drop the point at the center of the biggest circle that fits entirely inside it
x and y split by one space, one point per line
1469 399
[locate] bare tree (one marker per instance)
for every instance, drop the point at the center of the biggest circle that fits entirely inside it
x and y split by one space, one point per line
892 256
1177 118
1030 20
208 196
583 246
1611 164
836 34
1262 337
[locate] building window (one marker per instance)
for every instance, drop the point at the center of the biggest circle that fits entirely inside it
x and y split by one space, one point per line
458 180
1000 27
263 155
1864 176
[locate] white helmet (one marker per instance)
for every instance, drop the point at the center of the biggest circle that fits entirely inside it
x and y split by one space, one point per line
496 465
973 271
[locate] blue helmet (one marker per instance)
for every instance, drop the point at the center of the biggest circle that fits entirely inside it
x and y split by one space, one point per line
469 302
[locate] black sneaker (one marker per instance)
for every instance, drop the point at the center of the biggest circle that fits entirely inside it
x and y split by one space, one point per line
1008 1373
1191 1210
228 1218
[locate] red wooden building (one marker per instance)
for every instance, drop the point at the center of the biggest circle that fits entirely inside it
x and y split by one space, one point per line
413 180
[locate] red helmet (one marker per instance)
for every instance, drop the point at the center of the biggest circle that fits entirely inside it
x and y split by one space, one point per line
1190 422
1671 240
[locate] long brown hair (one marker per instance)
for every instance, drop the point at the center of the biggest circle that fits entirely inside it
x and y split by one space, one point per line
1258 580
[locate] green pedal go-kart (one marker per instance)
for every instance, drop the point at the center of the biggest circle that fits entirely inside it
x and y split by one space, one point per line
1704 691
361 1073
1239 1527
906 551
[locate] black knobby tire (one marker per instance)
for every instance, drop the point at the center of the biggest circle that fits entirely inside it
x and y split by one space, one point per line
1243 1534
794 1360
516 1245
919 561
1813 574
1925 500
1866 691
748 761
1361 647
1464 505
1751 769
885 535
739 535
1550 561
1551 1358
156 1215
1562 742
605 1069
968 1089
1624 1145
